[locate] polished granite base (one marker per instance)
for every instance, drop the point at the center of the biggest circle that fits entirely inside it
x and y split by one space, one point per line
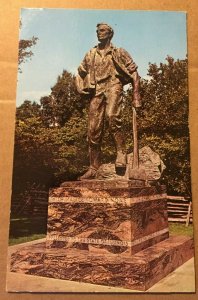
110 220
109 233
138 272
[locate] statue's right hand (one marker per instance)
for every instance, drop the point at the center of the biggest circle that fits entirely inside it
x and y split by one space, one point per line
136 100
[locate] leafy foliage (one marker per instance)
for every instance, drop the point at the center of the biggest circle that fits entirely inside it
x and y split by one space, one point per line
63 102
164 120
28 110
48 156
24 50
165 97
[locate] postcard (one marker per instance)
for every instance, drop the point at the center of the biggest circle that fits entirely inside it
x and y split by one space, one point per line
101 190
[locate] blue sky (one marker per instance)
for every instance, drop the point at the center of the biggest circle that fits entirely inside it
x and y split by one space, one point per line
65 35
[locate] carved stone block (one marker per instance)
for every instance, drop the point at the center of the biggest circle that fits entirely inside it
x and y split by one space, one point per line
106 220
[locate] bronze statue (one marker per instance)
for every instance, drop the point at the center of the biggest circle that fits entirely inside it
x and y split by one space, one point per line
102 74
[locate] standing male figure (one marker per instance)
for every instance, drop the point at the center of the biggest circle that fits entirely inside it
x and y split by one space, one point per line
102 74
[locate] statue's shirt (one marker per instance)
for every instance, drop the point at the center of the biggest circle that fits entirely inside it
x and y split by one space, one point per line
103 65
111 66
105 72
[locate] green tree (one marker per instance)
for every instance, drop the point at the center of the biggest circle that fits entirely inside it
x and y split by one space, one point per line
48 155
24 50
28 109
63 102
164 120
48 106
165 95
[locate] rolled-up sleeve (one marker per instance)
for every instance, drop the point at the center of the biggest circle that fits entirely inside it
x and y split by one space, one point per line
127 60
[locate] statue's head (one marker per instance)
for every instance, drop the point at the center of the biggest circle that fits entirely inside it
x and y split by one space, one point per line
104 32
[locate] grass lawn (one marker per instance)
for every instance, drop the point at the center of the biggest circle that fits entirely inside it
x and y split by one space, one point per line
25 239
180 229
25 229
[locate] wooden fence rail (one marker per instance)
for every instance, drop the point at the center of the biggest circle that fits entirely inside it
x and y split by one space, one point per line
179 209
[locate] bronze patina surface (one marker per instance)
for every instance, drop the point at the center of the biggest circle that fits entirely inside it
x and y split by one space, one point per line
102 74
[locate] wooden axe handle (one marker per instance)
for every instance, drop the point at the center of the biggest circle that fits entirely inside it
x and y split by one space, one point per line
135 141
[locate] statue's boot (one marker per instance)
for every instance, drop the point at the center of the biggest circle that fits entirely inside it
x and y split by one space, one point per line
121 159
95 162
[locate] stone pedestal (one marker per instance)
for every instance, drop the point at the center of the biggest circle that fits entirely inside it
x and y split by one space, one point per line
110 220
106 232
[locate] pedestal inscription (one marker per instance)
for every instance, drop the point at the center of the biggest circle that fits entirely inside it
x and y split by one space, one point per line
119 220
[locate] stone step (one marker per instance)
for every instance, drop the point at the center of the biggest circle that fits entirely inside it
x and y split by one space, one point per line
138 272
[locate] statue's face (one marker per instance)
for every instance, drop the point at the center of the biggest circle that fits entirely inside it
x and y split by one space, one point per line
103 33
